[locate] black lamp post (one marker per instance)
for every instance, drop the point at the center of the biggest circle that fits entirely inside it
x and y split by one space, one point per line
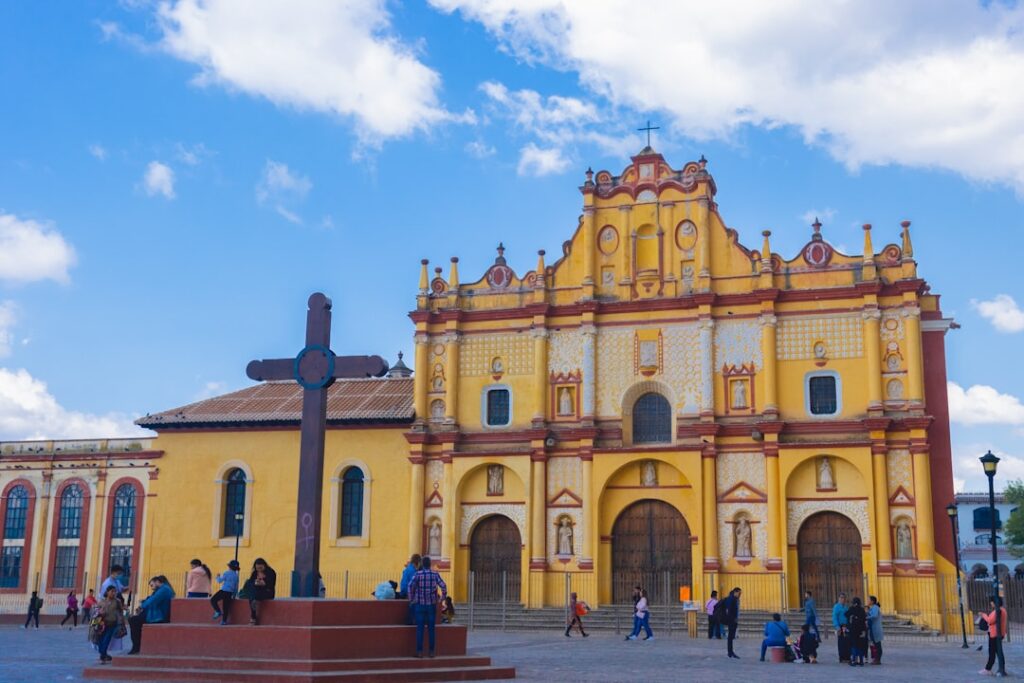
952 512
989 462
239 518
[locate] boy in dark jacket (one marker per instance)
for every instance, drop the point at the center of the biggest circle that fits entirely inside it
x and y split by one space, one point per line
731 617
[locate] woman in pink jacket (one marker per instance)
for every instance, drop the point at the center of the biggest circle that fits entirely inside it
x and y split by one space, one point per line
198 584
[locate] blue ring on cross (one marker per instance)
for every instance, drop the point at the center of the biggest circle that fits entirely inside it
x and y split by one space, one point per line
328 376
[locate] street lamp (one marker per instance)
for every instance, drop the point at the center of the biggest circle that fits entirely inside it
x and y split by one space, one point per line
989 462
239 518
952 512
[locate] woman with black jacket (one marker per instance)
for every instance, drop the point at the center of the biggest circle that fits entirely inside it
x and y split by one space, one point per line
858 628
260 586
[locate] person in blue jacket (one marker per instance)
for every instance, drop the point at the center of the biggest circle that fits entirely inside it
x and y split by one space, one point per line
775 633
407 573
841 626
811 614
156 609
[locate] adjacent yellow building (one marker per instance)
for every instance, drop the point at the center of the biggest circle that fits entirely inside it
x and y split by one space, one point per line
658 404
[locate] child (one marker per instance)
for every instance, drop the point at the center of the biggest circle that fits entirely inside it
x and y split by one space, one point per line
447 611
808 645
222 599
577 608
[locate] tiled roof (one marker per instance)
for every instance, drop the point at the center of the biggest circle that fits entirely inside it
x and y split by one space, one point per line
349 401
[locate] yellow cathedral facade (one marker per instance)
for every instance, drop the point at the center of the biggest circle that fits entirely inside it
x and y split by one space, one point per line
658 404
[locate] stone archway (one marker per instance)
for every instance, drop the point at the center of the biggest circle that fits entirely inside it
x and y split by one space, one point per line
651 548
829 557
495 556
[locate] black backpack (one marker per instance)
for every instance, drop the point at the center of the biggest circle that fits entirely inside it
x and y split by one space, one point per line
719 611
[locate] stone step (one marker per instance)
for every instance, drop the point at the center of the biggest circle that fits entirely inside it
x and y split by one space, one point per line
403 675
290 612
319 665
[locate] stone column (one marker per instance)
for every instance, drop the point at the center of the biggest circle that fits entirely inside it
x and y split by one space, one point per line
538 510
707 371
451 398
417 467
540 372
923 509
96 561
449 533
421 379
589 252
768 357
41 544
872 350
709 486
776 505
915 367
589 383
883 538
626 242
588 532
704 247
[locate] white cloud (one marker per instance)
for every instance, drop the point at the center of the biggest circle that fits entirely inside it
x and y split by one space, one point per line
968 474
1002 311
31 251
159 179
282 188
341 58
29 411
191 155
211 389
983 405
289 216
539 162
479 149
869 81
98 151
7 320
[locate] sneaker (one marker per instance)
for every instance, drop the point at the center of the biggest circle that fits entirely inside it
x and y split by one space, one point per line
649 638
985 672
223 623
630 637
216 616
585 635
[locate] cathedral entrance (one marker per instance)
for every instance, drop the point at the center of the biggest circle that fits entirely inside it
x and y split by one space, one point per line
495 555
829 557
650 548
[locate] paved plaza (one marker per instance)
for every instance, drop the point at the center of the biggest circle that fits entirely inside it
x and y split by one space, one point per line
52 654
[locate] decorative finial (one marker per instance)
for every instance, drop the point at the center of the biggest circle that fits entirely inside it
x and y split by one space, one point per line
908 247
501 254
424 276
453 278
702 161
817 230
869 250
399 355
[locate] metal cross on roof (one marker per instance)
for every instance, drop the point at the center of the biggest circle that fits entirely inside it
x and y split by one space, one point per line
649 128
315 368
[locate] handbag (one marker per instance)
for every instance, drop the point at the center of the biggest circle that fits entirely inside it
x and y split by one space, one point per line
981 624
247 590
96 628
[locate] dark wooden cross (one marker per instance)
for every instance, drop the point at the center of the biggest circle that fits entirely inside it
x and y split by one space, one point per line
315 368
649 128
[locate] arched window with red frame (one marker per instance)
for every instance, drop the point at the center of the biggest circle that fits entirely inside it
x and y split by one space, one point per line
124 519
69 535
17 510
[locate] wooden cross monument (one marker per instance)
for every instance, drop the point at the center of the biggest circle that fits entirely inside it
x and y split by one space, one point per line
315 368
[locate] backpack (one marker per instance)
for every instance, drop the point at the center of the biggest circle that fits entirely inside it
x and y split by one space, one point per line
39 603
719 611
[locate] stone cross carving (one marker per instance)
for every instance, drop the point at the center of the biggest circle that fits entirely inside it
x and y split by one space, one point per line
315 368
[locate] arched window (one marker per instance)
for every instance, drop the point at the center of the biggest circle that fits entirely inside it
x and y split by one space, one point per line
71 512
234 503
69 531
15 515
352 502
652 419
124 512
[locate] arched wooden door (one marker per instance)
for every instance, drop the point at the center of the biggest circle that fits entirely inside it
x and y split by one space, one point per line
650 548
829 557
495 556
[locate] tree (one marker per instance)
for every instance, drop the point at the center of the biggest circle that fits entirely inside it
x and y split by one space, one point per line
1013 531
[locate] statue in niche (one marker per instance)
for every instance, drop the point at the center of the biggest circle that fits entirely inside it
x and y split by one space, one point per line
437 409
743 538
497 366
648 354
892 362
825 478
565 402
904 542
649 474
434 539
438 383
495 480
739 394
565 536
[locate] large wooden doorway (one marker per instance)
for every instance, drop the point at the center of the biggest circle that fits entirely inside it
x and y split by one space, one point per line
650 548
495 556
829 557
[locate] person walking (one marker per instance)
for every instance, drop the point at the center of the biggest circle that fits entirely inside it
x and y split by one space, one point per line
87 605
71 611
577 608
198 583
731 618
35 603
776 632
222 599
423 596
156 609
641 617
111 620
714 628
857 622
840 625
875 629
811 614
261 586
997 622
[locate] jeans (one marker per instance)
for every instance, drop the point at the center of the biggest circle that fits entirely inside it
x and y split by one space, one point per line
135 623
108 635
995 649
32 614
193 594
69 614
646 623
426 615
221 602
732 635
767 643
714 628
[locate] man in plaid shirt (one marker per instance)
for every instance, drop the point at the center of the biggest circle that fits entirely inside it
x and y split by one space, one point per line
423 598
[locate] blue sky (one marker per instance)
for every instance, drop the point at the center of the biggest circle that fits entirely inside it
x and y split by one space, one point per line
175 178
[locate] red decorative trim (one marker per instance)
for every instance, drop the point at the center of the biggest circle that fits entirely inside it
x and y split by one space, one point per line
434 500
637 486
140 508
828 498
759 495
491 502
578 501
556 381
30 513
711 565
773 564
896 494
585 565
83 532
743 372
538 565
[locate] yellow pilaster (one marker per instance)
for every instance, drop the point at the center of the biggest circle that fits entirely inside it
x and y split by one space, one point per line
883 539
710 499
540 370
776 503
872 349
704 239
626 240
915 368
537 509
95 562
40 543
589 252
923 509
768 341
669 263
419 378
416 503
149 523
451 398
449 537
588 535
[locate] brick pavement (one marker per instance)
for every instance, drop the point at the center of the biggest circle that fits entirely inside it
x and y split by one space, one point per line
52 655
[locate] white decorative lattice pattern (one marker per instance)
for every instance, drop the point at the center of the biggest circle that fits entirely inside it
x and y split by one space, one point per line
552 531
756 512
565 351
738 342
900 471
732 468
477 351
682 365
433 474
471 513
843 336
565 473
799 510
890 328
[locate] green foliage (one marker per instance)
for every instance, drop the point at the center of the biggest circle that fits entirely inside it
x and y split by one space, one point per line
1013 530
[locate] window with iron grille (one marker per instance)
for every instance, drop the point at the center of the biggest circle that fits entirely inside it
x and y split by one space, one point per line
352 502
17 507
70 525
10 566
499 404
234 503
122 555
823 397
124 512
65 566
652 419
